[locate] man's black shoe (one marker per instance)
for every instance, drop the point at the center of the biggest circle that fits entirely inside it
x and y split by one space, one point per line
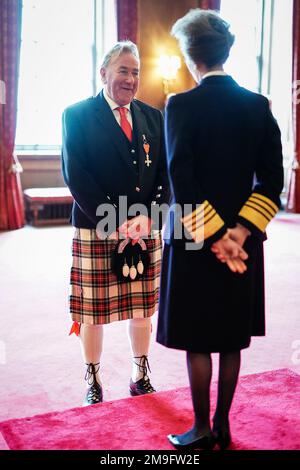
94 395
141 387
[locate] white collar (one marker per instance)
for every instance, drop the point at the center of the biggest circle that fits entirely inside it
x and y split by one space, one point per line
112 104
215 73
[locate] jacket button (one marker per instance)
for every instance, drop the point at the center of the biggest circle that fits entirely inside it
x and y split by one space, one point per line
137 189
132 151
134 162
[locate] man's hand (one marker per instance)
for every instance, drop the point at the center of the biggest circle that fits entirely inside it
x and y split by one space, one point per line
136 228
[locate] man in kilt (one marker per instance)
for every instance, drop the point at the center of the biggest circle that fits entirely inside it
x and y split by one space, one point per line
113 148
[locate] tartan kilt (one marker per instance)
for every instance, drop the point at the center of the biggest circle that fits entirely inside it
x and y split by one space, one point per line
96 295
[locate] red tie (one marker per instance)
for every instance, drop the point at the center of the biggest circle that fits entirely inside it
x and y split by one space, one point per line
125 124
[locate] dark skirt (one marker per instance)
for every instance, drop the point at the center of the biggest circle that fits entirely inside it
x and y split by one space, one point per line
97 296
204 307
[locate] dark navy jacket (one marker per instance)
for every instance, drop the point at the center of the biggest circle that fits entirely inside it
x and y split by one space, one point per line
99 164
224 153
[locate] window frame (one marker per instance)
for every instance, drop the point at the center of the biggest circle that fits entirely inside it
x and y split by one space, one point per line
98 48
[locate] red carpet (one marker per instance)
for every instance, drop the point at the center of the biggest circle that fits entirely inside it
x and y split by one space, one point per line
41 366
265 416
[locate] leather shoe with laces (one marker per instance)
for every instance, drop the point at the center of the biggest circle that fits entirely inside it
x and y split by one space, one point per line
94 392
141 387
94 395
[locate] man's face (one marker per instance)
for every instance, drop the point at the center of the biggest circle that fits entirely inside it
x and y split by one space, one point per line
121 77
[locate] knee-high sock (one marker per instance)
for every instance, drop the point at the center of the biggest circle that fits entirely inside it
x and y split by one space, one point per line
91 341
200 372
228 377
139 333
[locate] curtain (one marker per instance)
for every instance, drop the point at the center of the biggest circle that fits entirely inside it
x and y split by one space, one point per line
127 20
293 199
11 198
210 4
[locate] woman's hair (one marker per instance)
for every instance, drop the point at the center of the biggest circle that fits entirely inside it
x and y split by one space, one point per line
120 48
204 37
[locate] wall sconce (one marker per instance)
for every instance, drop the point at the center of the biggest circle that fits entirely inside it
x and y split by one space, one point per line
168 69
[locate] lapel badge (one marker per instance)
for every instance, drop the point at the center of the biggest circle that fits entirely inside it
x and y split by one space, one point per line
146 147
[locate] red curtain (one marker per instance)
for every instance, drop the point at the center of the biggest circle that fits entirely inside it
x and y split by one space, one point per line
11 198
293 199
127 18
210 4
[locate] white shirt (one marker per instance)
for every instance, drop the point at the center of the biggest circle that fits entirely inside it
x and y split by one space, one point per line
214 73
113 105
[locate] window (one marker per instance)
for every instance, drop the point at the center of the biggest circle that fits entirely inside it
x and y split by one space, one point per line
245 19
279 83
62 44
261 58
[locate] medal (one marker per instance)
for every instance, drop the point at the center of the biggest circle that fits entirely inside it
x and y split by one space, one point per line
146 147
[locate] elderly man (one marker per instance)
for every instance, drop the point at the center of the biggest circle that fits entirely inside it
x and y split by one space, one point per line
113 147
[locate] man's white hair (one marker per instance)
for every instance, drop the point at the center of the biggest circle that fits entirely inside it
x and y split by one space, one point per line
120 48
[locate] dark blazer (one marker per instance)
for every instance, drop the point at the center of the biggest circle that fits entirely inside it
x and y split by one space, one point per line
99 164
224 151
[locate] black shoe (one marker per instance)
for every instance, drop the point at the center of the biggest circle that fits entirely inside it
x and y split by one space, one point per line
223 437
206 442
141 387
94 395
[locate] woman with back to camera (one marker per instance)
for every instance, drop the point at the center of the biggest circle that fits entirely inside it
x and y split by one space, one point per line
225 161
